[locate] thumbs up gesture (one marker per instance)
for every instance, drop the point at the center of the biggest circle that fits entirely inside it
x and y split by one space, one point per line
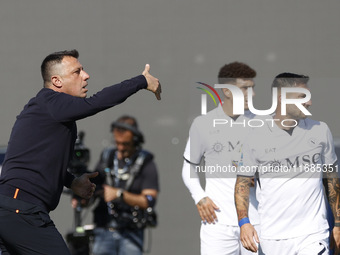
153 83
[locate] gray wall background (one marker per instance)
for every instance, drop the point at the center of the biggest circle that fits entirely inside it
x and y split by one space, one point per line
184 42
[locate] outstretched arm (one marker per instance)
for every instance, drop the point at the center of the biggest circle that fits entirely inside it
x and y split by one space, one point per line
333 195
248 233
64 107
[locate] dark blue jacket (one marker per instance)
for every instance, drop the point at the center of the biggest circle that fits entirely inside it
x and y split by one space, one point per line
42 141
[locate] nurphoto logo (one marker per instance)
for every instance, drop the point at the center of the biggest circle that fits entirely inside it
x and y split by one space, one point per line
238 103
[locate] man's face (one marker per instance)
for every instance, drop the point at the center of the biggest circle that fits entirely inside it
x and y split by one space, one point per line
292 111
73 77
244 84
124 143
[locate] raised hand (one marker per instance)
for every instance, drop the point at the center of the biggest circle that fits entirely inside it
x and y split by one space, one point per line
153 83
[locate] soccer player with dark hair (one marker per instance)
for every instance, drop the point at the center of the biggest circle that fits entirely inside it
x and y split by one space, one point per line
290 155
219 146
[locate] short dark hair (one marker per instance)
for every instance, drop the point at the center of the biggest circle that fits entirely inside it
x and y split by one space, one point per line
289 80
55 58
235 70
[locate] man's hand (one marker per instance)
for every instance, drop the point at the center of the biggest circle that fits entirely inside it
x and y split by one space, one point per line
247 236
206 208
83 187
335 240
153 83
110 193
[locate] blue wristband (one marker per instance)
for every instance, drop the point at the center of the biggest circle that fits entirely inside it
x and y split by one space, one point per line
243 221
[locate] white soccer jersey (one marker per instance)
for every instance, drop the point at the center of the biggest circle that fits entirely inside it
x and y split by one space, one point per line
220 146
290 190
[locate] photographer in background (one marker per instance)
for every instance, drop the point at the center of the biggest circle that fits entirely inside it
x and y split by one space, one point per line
128 186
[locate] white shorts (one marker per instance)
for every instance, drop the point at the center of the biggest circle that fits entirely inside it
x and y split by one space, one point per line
220 239
314 244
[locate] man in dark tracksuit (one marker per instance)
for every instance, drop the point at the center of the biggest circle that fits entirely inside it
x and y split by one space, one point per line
40 147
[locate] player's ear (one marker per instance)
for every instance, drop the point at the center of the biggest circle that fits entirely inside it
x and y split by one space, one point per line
226 92
56 81
279 97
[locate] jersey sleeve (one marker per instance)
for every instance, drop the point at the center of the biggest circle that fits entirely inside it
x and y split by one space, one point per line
192 182
193 154
150 180
194 149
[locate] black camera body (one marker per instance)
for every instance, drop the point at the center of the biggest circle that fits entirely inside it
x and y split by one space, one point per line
125 216
80 158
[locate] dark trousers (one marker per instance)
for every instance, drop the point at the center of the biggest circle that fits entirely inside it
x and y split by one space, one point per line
25 229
